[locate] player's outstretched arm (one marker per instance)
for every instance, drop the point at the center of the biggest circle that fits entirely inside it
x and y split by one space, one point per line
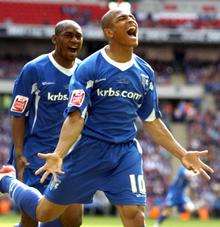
190 159
70 131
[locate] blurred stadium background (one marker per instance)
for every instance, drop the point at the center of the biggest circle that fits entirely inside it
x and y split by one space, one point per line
179 38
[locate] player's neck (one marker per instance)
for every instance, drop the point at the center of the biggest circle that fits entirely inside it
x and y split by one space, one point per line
119 53
63 62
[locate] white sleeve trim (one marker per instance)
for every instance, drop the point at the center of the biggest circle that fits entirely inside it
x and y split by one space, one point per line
84 112
139 148
152 116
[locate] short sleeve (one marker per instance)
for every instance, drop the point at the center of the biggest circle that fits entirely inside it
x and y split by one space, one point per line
24 87
149 109
80 87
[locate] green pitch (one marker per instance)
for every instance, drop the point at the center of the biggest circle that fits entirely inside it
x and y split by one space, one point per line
96 221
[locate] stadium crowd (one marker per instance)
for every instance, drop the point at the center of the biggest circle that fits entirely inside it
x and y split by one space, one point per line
195 71
204 131
5 138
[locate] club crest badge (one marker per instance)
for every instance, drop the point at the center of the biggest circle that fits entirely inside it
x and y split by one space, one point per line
19 104
77 98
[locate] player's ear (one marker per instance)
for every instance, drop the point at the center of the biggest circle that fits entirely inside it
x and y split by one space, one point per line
54 39
108 33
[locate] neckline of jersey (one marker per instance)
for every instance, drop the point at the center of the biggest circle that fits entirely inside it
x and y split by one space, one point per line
122 66
67 72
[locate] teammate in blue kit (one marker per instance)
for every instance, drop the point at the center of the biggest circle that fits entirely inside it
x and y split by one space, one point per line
39 98
96 148
176 196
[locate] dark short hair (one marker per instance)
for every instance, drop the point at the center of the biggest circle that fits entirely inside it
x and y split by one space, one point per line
60 26
107 18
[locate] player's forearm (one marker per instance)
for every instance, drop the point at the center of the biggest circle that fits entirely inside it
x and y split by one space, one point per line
162 136
70 131
18 129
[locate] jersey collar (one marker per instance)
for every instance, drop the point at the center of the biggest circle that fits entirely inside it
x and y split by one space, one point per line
122 66
68 72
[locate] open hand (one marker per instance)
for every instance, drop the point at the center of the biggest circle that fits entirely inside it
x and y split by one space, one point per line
191 160
52 166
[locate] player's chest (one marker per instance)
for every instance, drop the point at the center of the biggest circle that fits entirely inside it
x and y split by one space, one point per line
117 83
118 87
53 89
129 81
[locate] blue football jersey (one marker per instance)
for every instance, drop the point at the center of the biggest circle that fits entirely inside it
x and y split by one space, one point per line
41 94
110 95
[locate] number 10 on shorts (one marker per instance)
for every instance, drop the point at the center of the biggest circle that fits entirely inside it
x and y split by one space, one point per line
137 184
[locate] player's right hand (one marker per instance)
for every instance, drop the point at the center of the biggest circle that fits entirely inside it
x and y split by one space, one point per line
21 163
52 166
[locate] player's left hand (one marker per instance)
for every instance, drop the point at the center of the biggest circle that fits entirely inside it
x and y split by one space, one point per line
52 166
21 163
191 160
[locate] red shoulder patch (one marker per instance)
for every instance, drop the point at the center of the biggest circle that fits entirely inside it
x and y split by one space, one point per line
19 104
77 98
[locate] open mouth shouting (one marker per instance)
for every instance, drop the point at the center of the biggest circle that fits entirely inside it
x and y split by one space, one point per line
73 50
132 31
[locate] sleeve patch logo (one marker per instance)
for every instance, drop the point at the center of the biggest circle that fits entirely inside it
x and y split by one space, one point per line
77 98
19 104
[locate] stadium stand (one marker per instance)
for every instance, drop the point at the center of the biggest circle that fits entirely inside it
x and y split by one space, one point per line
49 13
170 15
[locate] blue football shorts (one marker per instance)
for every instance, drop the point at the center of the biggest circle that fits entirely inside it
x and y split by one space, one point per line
30 179
115 169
